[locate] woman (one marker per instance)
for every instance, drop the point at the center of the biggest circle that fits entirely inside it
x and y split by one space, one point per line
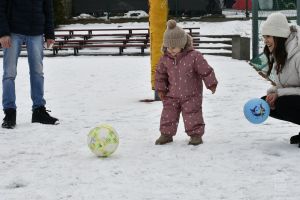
282 48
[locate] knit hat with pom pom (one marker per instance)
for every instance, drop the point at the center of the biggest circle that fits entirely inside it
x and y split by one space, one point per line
276 25
174 36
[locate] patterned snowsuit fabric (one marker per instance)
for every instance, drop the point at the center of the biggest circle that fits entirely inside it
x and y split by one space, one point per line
181 80
191 112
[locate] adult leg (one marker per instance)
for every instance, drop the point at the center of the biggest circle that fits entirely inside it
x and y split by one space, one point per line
35 60
287 108
10 59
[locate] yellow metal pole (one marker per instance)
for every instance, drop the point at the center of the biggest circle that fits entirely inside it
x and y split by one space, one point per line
158 15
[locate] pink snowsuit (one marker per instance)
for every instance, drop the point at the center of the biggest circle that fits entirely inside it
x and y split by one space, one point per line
181 79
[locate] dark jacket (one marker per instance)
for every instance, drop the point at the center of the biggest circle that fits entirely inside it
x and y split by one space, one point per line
27 17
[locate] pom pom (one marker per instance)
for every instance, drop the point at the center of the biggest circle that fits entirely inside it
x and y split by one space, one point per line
171 24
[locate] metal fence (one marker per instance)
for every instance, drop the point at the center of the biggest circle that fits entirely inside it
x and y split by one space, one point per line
260 11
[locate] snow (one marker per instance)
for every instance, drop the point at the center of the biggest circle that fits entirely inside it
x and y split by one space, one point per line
238 160
133 14
136 14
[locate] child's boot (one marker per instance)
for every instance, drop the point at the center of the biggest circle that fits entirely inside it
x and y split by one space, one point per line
195 140
164 139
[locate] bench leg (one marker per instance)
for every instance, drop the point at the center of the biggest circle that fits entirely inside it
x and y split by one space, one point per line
121 50
76 51
55 51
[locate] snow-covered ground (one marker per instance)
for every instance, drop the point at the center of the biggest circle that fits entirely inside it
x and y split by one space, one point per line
238 160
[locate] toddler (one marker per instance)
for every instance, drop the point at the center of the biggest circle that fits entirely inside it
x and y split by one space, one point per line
178 81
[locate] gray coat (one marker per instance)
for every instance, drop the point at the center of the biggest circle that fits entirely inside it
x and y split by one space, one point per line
288 82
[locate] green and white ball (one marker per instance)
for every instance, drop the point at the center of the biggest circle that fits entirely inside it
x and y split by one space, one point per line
103 140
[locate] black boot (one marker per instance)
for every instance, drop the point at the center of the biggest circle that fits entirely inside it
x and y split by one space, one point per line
41 115
295 139
9 120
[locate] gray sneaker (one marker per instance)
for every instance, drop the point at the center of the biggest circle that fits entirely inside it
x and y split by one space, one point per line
164 139
195 140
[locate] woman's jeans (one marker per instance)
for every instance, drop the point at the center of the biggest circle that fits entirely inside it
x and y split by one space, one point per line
287 108
34 45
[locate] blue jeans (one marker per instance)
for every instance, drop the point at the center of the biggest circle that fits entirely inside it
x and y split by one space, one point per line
34 45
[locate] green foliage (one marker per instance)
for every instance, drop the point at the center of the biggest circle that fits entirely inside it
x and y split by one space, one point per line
59 12
285 4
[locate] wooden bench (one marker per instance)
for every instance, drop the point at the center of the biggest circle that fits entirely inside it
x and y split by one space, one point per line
129 30
216 44
114 35
90 31
102 41
121 47
110 41
122 38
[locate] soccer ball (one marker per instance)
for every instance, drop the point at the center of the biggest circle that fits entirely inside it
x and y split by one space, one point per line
256 110
103 140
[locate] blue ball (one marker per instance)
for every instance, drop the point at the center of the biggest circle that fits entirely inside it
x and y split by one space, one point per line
256 110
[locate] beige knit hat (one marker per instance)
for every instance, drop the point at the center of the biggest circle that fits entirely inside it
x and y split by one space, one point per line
174 36
276 25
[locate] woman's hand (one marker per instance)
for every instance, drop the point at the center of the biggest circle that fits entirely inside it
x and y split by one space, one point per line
271 98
